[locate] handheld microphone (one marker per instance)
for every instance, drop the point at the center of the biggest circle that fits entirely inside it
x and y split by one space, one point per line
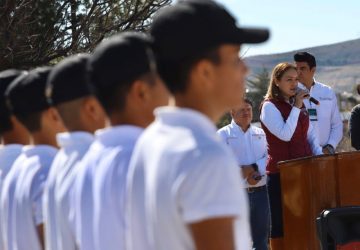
311 99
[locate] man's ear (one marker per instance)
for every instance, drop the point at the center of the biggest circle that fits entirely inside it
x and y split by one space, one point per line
53 114
139 90
313 69
204 73
93 108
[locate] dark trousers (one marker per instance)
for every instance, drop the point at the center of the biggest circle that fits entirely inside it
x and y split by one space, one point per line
274 190
259 218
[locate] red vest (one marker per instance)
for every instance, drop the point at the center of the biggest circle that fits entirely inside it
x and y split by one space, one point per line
297 147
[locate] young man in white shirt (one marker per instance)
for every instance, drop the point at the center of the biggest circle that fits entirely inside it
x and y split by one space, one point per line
184 187
82 114
27 101
249 146
13 136
122 69
325 117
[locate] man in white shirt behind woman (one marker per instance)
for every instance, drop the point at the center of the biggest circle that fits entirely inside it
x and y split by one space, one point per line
325 117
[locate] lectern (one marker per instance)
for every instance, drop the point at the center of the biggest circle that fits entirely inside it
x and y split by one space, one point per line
310 185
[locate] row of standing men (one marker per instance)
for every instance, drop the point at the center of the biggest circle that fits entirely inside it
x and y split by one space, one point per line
88 180
173 186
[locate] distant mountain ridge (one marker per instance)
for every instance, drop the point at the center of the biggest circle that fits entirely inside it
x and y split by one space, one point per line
338 65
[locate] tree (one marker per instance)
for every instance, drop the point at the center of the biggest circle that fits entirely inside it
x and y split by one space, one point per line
256 90
36 32
224 120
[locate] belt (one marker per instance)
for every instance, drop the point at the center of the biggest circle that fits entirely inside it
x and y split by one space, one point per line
255 189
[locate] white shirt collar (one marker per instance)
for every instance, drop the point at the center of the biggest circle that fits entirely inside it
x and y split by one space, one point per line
302 86
31 150
118 135
185 117
69 139
238 128
10 149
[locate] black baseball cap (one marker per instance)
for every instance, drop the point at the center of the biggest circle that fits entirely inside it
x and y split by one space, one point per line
26 94
120 60
67 80
191 27
6 78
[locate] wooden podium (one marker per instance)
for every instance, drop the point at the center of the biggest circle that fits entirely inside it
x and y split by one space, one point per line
312 184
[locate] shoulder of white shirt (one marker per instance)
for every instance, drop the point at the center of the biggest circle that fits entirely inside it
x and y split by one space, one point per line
324 87
227 129
257 130
268 105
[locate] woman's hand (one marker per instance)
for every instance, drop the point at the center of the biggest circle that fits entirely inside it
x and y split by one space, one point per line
300 96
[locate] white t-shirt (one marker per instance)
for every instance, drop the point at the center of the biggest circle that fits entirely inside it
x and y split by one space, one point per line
34 169
249 147
182 173
58 215
329 126
100 189
8 155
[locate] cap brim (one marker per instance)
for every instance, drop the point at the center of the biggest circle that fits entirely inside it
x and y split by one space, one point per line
251 35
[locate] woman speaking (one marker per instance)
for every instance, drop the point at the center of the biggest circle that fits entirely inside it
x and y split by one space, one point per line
289 135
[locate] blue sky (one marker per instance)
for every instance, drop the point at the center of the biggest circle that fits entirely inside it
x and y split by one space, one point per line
297 24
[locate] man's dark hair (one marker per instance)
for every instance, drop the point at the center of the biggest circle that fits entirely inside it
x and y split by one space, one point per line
176 76
67 87
113 97
31 121
305 57
69 112
248 101
5 124
116 63
26 97
6 77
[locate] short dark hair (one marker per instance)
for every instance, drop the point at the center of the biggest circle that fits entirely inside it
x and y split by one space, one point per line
6 78
248 101
116 63
26 94
69 112
176 75
5 124
67 80
26 97
31 121
113 97
305 57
